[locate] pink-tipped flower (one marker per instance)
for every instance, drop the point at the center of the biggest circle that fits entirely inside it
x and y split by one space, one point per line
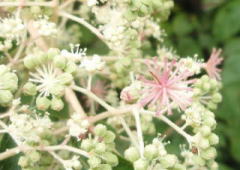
168 88
212 63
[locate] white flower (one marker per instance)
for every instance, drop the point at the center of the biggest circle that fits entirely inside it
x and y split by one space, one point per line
45 27
92 64
92 2
77 125
75 54
191 64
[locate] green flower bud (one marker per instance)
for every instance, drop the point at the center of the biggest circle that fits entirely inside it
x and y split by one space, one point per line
10 81
34 156
60 61
57 104
150 152
210 121
110 158
30 89
140 164
4 69
132 154
205 78
209 153
204 143
179 167
103 167
100 130
168 161
100 147
52 52
217 98
109 137
23 161
213 165
87 145
213 139
5 97
58 90
29 62
206 86
65 79
64 154
94 161
198 160
43 103
71 67
205 130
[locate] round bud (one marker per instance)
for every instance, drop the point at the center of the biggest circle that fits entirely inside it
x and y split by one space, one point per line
179 167
150 152
110 158
94 161
23 161
60 61
206 86
71 67
212 105
30 89
29 62
213 139
168 161
87 145
100 130
3 69
140 164
10 81
34 156
210 121
100 147
43 103
205 78
103 167
203 143
65 78
52 52
5 97
213 165
109 137
58 90
132 154
57 104
217 97
198 160
209 153
205 130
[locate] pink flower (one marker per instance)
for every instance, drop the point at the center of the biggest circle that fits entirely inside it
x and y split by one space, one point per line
212 63
168 88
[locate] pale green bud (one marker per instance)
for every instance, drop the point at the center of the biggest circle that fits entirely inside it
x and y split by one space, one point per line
65 78
57 104
52 52
206 86
204 143
205 78
71 67
213 139
210 121
217 98
58 90
213 165
5 97
4 69
110 158
109 137
10 81
198 160
150 152
30 89
179 167
60 61
43 103
205 130
103 167
34 156
209 153
100 130
168 161
100 147
140 164
94 161
87 145
29 62
132 154
23 161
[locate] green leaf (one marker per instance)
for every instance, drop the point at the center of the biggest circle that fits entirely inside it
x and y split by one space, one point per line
226 22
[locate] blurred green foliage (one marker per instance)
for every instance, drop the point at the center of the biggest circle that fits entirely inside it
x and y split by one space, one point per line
195 27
